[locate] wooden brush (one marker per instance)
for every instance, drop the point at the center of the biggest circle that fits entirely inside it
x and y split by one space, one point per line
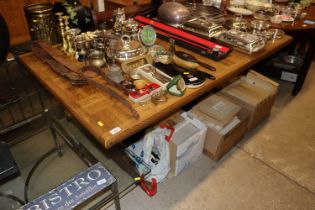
184 63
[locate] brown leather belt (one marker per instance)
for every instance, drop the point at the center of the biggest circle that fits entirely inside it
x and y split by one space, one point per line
60 69
89 72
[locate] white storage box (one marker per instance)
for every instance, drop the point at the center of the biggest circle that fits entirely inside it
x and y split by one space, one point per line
187 142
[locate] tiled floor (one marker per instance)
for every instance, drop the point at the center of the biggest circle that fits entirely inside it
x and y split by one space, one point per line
272 168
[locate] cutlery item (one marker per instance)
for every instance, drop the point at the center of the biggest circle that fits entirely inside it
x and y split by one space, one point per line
191 80
191 58
153 71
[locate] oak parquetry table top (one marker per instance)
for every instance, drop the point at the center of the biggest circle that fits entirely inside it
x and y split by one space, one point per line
109 121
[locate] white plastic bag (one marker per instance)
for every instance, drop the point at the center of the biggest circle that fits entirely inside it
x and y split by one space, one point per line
153 150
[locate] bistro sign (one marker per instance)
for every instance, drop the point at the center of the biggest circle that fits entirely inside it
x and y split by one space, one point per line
74 191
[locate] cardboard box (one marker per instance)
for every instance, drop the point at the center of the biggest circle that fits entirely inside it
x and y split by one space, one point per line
216 111
218 144
187 142
256 93
220 140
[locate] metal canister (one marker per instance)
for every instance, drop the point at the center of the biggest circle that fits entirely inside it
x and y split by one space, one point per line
42 22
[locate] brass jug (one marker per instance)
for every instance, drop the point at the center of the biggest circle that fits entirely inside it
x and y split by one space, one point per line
42 23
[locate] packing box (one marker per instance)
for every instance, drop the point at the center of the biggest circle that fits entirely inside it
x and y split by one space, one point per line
187 142
254 92
219 140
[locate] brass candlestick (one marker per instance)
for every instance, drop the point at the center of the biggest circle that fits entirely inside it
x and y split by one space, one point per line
70 36
120 19
66 29
62 31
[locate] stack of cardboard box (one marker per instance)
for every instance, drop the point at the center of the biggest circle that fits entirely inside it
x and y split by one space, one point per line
256 93
233 111
220 121
226 122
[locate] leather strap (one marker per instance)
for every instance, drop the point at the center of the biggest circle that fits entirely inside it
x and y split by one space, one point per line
42 54
106 88
59 56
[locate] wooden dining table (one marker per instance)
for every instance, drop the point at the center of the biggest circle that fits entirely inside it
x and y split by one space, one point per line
109 121
303 32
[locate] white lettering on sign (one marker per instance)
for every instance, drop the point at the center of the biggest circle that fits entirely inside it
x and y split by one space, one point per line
68 190
94 175
80 182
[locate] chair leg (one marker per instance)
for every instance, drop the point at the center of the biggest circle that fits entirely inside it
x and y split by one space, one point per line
53 132
116 194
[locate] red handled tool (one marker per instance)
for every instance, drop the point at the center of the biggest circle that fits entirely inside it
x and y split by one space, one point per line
149 190
169 136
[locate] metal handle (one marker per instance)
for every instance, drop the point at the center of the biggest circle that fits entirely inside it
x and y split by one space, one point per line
211 68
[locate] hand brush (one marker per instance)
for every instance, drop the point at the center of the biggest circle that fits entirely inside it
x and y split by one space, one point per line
189 57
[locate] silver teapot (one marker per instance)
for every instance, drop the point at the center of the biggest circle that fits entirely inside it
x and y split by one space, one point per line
127 48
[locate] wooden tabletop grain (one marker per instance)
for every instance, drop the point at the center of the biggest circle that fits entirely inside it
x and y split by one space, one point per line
109 121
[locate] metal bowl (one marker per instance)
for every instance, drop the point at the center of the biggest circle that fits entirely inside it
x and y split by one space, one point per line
173 13
293 59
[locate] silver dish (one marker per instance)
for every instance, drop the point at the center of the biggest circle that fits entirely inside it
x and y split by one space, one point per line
259 25
276 33
241 25
242 41
173 13
203 27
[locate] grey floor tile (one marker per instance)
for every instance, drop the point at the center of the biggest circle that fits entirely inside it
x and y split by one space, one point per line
286 140
53 171
238 182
